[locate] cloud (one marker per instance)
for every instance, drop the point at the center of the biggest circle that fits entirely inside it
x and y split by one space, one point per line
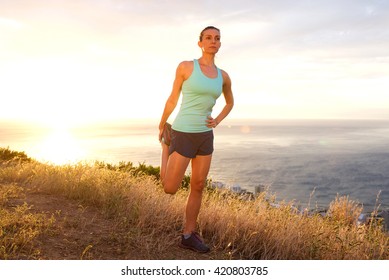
279 48
279 25
339 26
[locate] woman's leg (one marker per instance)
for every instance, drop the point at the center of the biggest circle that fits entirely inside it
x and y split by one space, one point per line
165 143
200 169
174 172
164 159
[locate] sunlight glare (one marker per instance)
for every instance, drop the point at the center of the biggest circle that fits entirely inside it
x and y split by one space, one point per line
60 147
245 129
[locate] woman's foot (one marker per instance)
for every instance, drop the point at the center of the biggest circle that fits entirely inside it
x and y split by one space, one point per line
166 134
194 242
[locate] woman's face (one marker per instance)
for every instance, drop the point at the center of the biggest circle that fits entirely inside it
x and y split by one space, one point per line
210 42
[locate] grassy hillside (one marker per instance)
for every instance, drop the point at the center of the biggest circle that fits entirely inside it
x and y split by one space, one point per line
149 221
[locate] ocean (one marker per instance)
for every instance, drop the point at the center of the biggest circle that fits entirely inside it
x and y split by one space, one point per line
309 162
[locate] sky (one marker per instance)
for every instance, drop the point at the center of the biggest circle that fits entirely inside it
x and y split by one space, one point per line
80 61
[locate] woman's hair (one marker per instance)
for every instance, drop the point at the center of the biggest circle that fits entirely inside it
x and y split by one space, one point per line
205 29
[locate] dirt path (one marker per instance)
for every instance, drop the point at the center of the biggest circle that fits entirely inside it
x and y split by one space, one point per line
82 232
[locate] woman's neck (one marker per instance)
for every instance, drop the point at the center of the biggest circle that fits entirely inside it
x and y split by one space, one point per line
208 60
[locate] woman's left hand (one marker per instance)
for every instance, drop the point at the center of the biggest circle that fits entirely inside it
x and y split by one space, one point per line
211 122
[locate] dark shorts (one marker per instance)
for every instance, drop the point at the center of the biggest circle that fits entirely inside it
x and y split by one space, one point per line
191 144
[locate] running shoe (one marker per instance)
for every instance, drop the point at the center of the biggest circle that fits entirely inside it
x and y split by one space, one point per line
194 242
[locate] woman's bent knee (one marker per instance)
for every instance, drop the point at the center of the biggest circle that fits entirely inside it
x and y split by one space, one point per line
169 189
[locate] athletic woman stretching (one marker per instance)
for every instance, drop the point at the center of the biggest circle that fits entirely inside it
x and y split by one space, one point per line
191 137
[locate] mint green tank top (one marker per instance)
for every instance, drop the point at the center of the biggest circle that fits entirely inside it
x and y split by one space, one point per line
199 94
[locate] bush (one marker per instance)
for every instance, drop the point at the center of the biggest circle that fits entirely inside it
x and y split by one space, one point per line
8 155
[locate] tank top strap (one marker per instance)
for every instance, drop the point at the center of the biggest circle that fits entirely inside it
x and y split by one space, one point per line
219 73
196 66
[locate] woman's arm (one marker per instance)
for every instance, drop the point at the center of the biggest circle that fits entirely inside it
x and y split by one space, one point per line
171 102
229 98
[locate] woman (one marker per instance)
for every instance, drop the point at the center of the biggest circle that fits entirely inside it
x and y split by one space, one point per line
201 83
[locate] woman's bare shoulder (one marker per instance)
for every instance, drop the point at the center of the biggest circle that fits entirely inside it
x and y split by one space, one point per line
185 68
185 64
225 75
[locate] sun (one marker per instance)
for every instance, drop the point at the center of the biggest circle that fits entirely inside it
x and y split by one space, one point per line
60 147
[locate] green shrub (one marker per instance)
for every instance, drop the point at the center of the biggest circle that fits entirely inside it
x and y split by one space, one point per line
8 155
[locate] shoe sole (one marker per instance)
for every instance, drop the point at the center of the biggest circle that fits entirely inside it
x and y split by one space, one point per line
191 248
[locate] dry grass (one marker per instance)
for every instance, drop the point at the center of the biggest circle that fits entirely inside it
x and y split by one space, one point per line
254 230
237 229
18 227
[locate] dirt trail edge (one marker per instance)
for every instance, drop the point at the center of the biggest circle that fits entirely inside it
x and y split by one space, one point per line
80 232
